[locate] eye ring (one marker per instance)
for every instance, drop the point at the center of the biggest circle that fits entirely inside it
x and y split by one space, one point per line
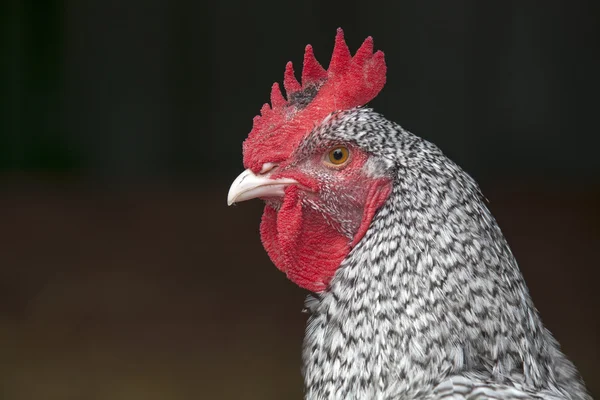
337 156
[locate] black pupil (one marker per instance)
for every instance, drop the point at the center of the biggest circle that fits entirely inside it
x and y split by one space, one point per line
338 154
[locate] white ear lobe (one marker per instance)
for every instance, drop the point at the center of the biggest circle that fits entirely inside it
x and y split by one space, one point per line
377 167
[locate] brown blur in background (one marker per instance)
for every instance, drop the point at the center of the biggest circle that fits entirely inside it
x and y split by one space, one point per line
124 275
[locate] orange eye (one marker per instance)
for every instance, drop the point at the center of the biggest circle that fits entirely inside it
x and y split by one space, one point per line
338 156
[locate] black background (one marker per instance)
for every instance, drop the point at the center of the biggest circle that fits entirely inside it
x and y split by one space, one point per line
122 272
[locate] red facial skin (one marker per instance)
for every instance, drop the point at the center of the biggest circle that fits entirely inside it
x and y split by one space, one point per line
310 231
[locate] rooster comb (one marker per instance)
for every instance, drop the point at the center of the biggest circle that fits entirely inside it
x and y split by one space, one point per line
350 81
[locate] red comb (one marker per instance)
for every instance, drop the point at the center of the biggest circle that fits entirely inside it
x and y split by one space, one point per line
349 82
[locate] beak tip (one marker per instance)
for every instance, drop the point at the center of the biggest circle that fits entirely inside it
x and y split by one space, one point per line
231 198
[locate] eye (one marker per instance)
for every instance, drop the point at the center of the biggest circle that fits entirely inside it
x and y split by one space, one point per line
338 155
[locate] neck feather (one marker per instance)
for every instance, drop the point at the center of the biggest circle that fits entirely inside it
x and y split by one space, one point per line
431 291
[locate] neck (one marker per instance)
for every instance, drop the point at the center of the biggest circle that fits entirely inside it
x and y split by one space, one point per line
431 291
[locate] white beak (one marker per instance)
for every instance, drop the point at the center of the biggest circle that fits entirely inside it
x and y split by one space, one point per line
250 186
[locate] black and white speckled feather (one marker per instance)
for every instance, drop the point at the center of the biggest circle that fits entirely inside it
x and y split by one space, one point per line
430 304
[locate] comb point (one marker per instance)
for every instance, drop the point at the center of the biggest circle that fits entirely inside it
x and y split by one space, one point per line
379 56
290 83
277 99
364 52
265 109
340 59
312 71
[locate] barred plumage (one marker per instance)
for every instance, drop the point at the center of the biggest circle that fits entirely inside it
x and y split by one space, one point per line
430 304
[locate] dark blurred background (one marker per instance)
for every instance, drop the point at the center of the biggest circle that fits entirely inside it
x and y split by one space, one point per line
123 275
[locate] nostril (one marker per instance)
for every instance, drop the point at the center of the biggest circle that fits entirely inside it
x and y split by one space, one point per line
268 167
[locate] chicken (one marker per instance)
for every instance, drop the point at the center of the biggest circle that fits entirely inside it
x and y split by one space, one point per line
415 293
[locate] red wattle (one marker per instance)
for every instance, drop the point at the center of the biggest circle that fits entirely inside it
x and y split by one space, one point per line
301 243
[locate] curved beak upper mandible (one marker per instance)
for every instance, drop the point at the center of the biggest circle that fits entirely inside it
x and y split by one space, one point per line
250 186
